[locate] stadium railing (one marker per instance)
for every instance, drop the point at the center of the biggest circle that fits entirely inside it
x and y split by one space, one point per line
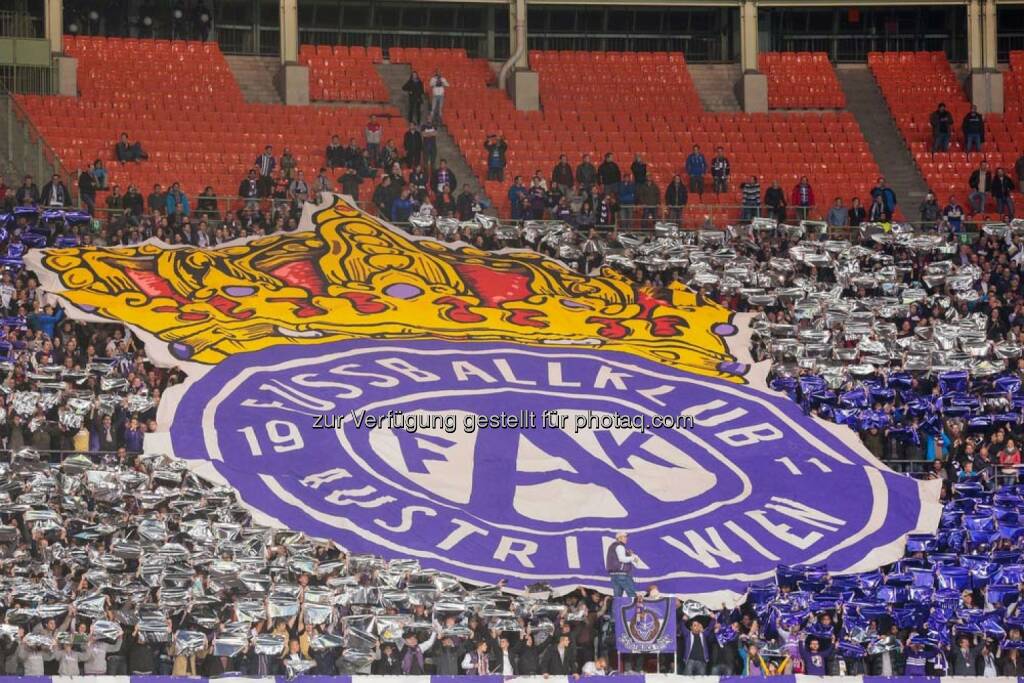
26 149
58 456
694 216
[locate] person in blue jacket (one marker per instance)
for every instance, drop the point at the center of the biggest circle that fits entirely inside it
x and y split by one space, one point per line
402 207
177 202
696 167
46 320
515 197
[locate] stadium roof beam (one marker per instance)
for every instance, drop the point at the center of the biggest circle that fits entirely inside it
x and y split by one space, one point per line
65 76
292 79
53 25
986 83
755 84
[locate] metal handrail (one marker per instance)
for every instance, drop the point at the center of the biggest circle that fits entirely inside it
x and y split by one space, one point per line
19 25
1004 474
45 154
7 454
694 214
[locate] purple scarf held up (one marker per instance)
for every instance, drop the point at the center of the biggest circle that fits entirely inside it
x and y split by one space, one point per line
407 659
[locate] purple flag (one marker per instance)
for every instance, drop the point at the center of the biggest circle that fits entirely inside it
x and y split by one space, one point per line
645 625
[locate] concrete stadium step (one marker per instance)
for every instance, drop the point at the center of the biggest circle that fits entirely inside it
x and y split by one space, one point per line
394 77
255 76
716 84
865 101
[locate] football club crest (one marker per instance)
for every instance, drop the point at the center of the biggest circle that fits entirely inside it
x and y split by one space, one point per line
490 415
645 625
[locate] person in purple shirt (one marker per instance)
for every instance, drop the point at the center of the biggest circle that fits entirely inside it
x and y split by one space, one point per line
133 435
916 660
814 657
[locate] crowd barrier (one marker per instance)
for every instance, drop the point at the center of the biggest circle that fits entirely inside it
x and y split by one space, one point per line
693 216
615 678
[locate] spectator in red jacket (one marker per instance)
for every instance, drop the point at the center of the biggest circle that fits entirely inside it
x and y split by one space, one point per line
802 198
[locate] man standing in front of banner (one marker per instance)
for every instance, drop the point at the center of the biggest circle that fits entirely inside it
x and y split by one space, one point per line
620 562
696 654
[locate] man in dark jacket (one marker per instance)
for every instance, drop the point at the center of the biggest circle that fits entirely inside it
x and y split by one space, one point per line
350 181
942 124
528 657
389 664
442 176
414 88
775 201
639 169
560 658
505 659
266 163
963 658
447 657
496 148
586 175
157 200
675 198
720 170
28 193
249 188
929 212
126 151
973 127
87 190
697 650
980 183
1002 192
561 174
649 198
133 202
351 153
610 175
725 659
334 155
412 142
384 197
55 193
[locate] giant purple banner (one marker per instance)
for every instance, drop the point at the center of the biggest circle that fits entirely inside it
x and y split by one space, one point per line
498 461
494 415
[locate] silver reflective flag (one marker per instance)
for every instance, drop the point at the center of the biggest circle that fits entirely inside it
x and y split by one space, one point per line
189 643
269 644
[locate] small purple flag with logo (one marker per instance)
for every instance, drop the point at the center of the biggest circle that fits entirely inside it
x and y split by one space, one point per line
645 625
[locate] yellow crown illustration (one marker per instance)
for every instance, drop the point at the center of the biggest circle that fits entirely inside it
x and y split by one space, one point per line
352 276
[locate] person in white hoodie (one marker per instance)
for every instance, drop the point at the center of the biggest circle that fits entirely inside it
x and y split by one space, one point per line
33 658
96 652
69 659
438 85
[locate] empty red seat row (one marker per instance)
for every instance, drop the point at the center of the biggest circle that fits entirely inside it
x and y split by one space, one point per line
186 109
801 80
341 73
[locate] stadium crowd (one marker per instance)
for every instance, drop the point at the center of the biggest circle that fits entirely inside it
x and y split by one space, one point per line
117 561
398 178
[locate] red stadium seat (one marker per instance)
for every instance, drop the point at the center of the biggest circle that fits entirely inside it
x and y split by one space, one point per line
181 101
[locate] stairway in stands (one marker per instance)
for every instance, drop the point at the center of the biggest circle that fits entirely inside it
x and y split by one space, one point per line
255 76
716 84
864 100
395 76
